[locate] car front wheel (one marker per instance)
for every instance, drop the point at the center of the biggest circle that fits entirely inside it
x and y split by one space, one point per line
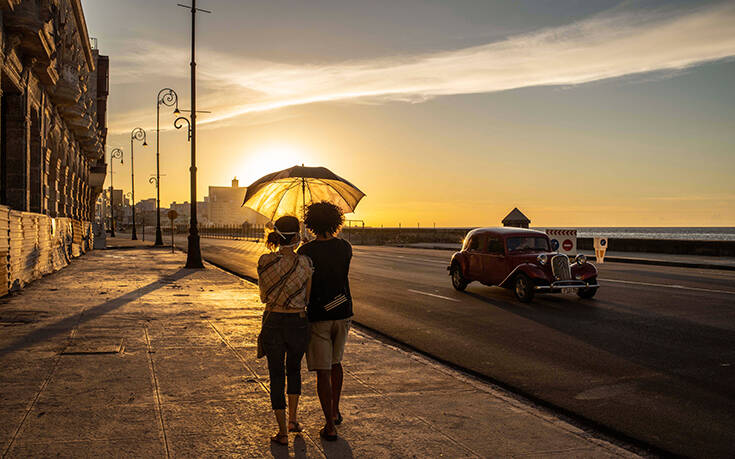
588 292
523 288
458 281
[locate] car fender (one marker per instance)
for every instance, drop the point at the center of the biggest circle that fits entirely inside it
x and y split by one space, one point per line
459 258
529 269
584 271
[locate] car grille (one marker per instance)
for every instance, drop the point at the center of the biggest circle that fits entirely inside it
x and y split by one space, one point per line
560 267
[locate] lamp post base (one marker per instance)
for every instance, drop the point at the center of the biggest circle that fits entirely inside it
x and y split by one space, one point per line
159 236
194 253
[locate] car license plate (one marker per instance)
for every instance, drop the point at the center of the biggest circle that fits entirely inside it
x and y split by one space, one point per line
567 291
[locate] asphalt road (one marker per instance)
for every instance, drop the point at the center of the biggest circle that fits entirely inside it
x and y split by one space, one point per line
651 356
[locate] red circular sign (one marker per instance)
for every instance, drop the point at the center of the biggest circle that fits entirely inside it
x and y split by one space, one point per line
567 245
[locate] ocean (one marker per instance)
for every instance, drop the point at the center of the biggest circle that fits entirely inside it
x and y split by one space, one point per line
681 233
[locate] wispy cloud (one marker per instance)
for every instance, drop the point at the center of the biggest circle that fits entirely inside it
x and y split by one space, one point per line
597 48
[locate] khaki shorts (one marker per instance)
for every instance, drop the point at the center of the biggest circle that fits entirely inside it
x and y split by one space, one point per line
326 343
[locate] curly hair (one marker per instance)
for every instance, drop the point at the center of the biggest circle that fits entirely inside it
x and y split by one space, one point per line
323 218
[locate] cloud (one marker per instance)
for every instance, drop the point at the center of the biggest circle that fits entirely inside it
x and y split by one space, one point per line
597 48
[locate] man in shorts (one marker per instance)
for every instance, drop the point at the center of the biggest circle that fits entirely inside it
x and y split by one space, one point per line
329 308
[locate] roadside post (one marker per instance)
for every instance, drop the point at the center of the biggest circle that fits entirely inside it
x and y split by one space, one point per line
172 215
600 248
563 241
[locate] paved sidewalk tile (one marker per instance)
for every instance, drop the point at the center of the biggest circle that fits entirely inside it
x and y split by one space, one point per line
126 354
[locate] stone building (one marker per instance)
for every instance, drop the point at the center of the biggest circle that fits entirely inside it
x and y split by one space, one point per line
53 129
54 102
225 206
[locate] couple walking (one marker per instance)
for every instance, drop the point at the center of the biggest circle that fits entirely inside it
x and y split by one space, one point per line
307 310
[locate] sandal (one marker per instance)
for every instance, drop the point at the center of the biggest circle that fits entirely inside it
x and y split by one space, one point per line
328 437
297 427
281 439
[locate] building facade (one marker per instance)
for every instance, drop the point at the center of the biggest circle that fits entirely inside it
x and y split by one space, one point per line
54 102
53 129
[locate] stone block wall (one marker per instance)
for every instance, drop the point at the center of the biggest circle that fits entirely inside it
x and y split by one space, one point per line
33 245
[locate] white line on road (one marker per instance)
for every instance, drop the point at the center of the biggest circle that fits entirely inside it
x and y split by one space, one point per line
434 295
680 287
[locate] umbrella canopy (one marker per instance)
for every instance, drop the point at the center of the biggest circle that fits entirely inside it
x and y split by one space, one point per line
289 191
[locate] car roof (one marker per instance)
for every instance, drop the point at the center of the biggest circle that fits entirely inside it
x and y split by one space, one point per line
506 231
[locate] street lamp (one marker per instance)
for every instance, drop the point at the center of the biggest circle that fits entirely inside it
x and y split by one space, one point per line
114 154
135 134
169 98
193 253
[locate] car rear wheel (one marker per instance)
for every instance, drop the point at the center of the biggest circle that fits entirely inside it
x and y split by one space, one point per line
458 281
588 292
523 288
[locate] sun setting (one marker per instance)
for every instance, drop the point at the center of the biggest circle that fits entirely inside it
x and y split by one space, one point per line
367 229
267 158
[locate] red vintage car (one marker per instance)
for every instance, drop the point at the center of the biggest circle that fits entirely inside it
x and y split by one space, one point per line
522 260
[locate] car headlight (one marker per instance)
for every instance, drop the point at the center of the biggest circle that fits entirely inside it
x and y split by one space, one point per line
542 259
581 259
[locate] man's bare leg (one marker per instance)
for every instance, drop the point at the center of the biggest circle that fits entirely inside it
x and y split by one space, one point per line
324 390
336 379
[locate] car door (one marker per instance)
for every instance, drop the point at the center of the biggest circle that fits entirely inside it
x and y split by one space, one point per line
494 262
474 255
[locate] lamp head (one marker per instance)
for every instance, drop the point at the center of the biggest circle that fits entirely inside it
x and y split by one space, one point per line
145 144
176 111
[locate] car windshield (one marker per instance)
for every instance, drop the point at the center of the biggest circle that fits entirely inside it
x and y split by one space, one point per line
527 244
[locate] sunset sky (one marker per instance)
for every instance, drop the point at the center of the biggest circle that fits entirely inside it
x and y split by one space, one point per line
579 112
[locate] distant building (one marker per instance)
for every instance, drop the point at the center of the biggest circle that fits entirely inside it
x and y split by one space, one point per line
183 209
145 212
121 205
146 205
516 219
224 206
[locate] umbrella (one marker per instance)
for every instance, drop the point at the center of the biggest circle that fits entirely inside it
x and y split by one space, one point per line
287 192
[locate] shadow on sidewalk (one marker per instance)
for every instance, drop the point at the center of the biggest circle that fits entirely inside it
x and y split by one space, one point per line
339 449
66 324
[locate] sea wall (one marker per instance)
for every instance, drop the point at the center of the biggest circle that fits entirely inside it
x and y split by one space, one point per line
33 245
383 236
669 246
389 236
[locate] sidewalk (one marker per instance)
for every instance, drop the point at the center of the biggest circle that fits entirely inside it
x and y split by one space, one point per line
126 354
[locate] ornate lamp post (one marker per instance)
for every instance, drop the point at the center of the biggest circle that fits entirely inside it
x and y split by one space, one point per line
135 134
193 253
169 98
114 154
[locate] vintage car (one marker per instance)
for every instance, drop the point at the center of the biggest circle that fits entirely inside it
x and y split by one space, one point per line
522 260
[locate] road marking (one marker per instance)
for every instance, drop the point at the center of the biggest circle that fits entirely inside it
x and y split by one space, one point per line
434 295
680 287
